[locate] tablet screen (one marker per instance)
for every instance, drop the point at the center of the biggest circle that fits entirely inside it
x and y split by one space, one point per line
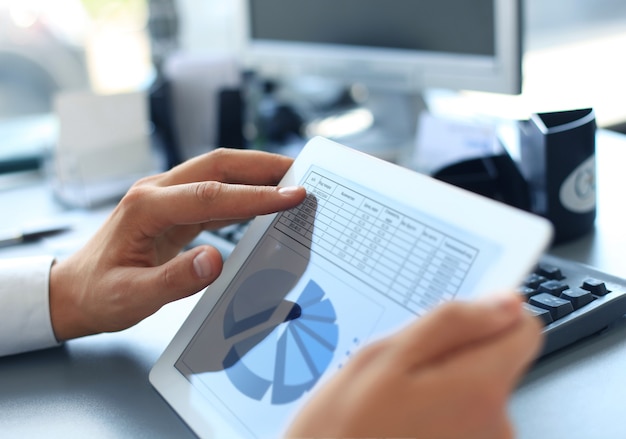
345 267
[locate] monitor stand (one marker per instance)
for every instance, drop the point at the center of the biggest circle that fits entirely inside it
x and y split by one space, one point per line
382 123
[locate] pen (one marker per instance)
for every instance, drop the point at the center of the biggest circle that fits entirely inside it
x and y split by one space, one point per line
24 236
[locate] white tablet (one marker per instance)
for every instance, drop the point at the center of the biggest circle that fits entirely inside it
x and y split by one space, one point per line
373 247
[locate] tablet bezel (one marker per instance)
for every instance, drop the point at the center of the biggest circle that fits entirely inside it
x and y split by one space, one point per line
479 215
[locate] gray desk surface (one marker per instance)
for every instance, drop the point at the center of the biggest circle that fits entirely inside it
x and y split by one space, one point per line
580 392
98 387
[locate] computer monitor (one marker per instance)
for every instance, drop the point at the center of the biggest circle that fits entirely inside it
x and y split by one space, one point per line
394 48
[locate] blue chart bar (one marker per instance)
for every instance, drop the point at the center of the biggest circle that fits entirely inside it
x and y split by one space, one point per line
290 360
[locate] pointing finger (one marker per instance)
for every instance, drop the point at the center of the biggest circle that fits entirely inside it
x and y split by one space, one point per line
228 166
455 325
195 203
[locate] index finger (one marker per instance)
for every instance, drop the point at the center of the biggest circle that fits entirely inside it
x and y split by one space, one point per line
455 325
195 203
229 166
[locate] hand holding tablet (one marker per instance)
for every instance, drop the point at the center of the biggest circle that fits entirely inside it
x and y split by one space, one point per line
306 290
424 381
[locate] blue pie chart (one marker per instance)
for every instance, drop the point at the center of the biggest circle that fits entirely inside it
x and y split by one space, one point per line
284 359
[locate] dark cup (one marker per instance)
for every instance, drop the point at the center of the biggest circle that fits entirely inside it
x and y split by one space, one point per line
558 162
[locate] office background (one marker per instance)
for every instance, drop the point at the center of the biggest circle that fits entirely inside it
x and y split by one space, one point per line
98 385
571 50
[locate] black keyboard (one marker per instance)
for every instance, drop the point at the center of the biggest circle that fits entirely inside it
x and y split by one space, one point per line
573 300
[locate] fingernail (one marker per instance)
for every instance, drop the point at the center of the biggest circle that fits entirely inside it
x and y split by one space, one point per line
202 265
288 190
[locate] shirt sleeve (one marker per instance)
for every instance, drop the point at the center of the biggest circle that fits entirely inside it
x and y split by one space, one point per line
25 323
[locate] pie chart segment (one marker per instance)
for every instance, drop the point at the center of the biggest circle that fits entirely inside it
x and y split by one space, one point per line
256 300
248 382
320 346
290 360
263 356
297 369
311 295
320 311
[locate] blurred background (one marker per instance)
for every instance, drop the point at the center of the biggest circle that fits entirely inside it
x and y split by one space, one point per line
572 56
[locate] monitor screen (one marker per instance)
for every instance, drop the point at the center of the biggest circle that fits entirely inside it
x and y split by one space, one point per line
408 45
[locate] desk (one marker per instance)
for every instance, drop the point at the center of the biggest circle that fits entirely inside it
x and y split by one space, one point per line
98 387
580 392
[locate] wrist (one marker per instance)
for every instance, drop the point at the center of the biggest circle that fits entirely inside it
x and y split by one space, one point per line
65 315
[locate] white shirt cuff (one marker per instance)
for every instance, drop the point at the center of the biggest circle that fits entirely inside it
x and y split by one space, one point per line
25 323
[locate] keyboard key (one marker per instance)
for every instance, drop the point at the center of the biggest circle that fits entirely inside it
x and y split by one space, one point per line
534 280
558 307
550 271
227 232
578 297
595 286
238 233
542 314
527 292
554 287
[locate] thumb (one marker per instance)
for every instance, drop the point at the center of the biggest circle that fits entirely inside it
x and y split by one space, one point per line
184 275
455 325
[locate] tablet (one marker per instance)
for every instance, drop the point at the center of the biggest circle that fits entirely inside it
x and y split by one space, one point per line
373 247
